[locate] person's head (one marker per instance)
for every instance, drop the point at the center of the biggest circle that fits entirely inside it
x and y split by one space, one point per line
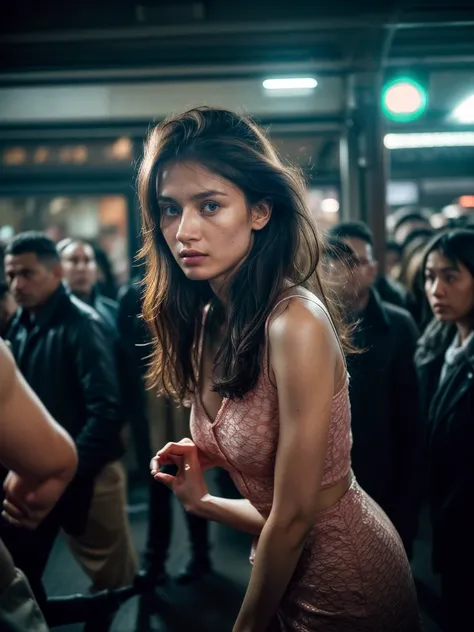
341 263
79 266
220 213
417 235
393 259
32 269
359 238
408 220
448 266
8 306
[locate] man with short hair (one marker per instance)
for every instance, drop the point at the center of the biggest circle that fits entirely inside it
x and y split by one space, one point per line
61 348
384 394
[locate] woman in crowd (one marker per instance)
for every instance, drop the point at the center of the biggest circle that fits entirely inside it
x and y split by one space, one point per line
242 330
445 362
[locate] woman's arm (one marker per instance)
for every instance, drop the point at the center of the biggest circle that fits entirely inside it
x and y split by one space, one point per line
303 354
237 513
190 488
40 454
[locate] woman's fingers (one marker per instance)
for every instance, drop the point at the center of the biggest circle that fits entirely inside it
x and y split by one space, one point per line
166 479
178 449
14 511
187 441
10 520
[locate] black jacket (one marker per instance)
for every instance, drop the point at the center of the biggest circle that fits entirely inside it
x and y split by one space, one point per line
392 292
106 308
449 413
68 360
386 413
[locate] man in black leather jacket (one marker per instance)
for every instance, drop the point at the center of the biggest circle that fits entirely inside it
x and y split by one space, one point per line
61 348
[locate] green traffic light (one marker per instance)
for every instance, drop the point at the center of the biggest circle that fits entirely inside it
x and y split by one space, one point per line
404 100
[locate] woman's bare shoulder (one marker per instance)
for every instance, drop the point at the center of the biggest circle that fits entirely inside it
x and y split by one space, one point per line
302 325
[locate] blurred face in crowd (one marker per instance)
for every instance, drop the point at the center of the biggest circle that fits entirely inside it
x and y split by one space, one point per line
449 288
32 280
392 263
341 278
206 221
409 227
365 272
7 309
79 268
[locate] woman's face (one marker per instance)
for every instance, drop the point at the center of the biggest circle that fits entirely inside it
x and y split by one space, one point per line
449 288
206 221
79 267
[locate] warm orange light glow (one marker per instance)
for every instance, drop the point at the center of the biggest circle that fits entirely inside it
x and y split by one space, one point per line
467 201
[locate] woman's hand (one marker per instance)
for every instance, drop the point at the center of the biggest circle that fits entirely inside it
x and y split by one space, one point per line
27 504
188 484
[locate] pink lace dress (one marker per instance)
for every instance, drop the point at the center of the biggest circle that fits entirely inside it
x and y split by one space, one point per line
353 574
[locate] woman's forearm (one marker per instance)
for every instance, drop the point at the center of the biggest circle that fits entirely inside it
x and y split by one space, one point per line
237 513
278 552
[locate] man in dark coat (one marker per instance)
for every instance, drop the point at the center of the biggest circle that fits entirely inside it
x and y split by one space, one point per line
61 347
384 395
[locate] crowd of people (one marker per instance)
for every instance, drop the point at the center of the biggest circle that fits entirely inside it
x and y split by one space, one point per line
337 394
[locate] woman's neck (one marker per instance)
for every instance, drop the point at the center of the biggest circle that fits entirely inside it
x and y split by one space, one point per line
465 328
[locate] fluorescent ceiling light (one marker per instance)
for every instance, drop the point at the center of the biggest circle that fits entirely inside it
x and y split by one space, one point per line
464 113
290 83
429 139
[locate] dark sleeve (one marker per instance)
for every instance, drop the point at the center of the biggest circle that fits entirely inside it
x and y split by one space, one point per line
95 366
408 420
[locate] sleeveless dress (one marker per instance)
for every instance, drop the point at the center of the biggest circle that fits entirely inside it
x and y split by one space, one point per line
353 574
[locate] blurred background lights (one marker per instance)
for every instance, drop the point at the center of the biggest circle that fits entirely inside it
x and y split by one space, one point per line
404 100
464 113
417 140
329 205
290 83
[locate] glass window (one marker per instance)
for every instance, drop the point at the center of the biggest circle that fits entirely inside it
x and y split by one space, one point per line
73 154
102 220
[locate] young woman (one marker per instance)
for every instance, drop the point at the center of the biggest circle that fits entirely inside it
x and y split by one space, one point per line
242 329
445 362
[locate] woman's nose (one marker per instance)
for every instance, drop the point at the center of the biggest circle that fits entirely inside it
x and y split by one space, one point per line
437 289
188 229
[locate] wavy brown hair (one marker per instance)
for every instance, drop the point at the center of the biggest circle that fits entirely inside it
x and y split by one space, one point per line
287 249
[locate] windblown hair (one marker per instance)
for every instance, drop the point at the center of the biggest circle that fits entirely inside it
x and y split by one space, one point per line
287 249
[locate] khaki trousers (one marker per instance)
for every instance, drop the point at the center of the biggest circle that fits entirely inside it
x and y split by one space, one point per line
168 422
105 551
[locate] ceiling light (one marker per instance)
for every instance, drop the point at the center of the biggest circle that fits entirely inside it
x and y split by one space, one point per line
464 113
290 83
429 139
329 205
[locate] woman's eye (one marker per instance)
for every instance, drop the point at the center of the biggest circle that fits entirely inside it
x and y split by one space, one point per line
169 211
210 207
